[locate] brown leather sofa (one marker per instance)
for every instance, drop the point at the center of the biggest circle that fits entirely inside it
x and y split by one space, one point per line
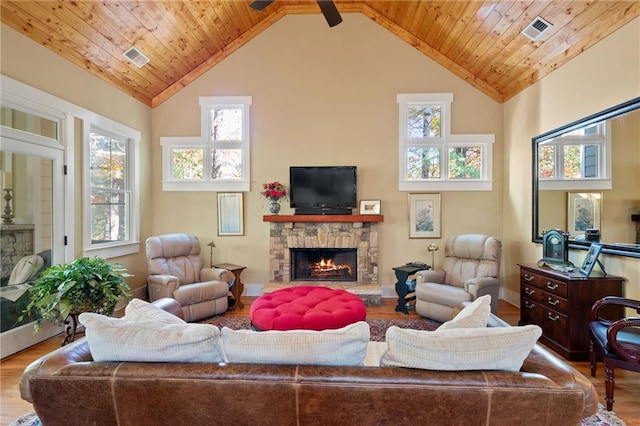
67 388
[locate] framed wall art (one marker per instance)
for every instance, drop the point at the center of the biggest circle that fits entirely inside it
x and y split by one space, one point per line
369 206
230 213
583 212
424 215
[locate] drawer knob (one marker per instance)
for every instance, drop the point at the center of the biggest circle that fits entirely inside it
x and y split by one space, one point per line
529 305
528 291
528 278
552 286
553 318
552 302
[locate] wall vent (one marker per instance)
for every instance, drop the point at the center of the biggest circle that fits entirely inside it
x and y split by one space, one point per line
136 56
536 28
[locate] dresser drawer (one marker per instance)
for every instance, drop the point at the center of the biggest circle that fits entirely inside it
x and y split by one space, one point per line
548 284
545 298
554 325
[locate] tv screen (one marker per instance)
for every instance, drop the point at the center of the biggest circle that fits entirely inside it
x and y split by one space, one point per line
323 188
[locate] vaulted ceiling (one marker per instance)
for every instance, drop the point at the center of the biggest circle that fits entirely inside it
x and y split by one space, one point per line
479 41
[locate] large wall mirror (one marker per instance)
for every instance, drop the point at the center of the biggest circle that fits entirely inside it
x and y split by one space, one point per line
586 180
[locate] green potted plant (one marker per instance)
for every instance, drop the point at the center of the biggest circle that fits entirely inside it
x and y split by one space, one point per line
84 285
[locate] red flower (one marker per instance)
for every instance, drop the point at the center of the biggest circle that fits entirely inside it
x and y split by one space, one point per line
274 191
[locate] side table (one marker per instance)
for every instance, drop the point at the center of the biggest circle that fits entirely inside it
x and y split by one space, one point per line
237 287
402 274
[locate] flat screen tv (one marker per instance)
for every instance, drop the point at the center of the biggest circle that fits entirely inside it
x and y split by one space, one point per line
323 189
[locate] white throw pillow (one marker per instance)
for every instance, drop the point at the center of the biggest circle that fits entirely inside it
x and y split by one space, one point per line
113 339
139 311
474 315
343 346
489 348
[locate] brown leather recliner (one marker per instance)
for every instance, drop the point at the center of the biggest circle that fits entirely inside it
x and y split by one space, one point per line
176 271
471 268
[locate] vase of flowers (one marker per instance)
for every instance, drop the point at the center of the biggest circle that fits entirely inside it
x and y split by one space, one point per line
273 192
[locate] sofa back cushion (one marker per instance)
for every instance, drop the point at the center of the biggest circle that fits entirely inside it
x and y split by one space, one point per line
118 339
343 346
490 348
474 315
138 310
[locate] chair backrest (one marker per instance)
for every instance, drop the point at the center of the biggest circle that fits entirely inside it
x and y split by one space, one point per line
175 254
469 256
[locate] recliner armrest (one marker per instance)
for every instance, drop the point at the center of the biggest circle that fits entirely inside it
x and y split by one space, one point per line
160 286
473 285
430 276
215 274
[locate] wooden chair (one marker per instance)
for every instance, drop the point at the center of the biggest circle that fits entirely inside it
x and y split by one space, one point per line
616 343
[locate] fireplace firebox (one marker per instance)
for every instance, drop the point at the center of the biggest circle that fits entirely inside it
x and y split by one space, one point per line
324 264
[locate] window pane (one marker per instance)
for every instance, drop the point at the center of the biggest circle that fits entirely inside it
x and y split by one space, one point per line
546 161
107 158
226 163
423 163
24 121
465 162
226 124
423 121
581 161
109 216
187 163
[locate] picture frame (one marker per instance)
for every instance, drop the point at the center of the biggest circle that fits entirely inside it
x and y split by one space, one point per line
369 206
591 259
424 215
230 213
583 212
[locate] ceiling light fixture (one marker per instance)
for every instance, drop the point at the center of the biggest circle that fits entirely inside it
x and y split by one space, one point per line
138 58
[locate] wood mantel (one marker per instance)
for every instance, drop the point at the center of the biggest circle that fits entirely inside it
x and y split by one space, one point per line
323 218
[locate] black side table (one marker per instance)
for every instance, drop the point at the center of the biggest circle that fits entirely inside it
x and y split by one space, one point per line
402 274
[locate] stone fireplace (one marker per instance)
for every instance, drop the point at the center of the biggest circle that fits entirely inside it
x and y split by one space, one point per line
355 233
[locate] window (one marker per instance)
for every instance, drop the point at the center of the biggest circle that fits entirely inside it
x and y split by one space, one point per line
576 159
111 211
218 160
431 158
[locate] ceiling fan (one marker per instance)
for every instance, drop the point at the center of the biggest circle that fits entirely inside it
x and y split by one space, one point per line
328 8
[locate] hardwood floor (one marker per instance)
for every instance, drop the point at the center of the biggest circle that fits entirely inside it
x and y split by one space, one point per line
627 395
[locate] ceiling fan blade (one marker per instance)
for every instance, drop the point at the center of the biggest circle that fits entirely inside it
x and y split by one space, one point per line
330 12
260 4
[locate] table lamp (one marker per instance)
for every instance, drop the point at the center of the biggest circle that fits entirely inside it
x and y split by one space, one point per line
433 247
211 246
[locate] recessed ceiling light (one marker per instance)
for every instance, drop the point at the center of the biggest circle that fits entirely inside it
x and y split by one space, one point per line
138 58
536 28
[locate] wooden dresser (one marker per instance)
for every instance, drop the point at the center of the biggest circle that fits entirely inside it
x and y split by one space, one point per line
560 303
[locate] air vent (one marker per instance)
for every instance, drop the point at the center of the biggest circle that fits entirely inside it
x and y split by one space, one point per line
536 28
136 56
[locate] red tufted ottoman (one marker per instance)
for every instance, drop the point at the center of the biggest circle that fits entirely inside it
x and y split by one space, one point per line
306 308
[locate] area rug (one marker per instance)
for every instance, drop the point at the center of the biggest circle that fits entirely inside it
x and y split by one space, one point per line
602 418
378 327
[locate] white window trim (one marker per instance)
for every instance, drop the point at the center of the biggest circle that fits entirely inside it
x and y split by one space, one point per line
605 180
446 140
218 185
132 245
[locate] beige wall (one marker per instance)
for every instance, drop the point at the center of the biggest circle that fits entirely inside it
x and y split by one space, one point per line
326 96
29 63
605 75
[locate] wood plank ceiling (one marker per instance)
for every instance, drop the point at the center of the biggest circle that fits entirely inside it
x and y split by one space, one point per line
479 41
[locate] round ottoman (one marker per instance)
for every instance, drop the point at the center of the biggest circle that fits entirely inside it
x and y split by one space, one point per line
306 308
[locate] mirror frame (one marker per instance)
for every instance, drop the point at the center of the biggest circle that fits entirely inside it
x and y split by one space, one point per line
614 111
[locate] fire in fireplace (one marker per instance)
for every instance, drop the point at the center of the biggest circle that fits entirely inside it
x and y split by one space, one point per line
324 264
